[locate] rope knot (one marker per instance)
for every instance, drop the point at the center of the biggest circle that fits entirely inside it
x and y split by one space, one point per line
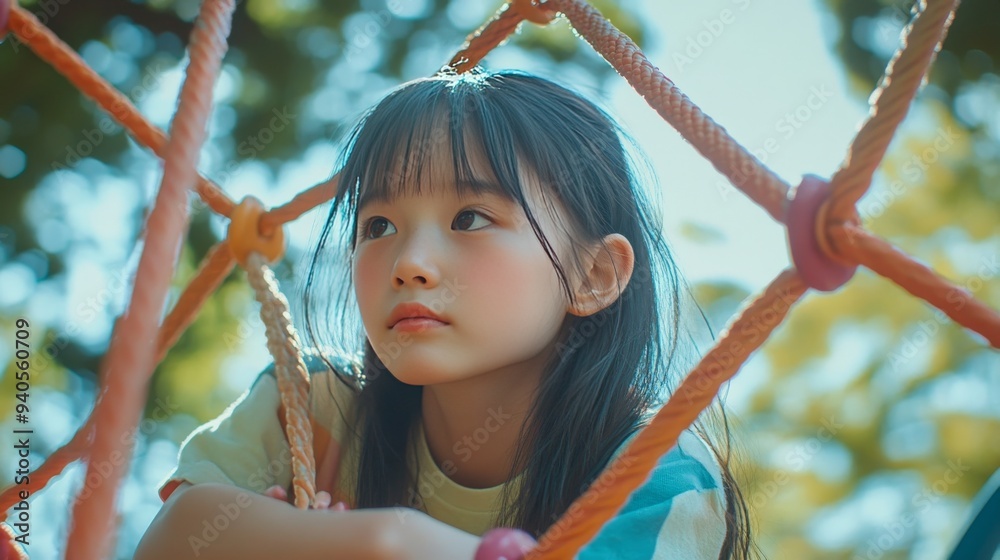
815 259
535 11
245 235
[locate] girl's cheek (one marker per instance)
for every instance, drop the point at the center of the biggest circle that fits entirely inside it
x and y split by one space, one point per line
486 268
366 271
497 274
366 263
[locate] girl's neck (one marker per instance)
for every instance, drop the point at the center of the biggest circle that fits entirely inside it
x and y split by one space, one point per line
472 425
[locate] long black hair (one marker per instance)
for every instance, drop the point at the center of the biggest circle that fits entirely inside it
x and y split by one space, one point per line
611 368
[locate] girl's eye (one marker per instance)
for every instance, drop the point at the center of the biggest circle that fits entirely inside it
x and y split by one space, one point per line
375 227
466 218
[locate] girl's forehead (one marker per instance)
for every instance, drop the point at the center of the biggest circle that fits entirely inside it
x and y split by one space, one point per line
431 170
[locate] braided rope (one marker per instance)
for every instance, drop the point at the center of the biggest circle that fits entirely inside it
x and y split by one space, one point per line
921 39
293 378
731 159
129 362
67 62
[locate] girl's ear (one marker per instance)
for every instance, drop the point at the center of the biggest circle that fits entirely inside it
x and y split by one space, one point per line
609 267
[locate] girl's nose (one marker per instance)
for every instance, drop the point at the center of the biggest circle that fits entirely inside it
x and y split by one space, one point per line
418 261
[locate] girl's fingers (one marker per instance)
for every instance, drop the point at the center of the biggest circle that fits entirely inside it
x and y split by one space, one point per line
276 492
322 500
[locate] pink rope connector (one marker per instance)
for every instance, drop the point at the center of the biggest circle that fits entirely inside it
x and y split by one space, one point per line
804 221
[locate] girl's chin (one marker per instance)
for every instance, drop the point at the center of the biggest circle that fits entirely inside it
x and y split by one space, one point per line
410 370
423 376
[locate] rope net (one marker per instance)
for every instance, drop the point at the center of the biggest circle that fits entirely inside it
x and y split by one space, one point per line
826 238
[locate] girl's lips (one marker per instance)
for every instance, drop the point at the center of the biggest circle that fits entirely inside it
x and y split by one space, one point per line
417 324
413 310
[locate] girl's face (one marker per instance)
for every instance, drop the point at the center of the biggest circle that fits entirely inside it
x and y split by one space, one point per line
475 262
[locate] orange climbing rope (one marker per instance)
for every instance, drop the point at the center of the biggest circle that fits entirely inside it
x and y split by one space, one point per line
129 364
834 242
68 63
922 37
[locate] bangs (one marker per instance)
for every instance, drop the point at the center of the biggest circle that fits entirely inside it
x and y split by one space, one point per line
428 123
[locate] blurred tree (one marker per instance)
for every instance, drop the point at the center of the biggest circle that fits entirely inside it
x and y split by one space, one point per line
875 454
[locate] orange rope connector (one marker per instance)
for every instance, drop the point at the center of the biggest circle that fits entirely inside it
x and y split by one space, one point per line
245 235
534 11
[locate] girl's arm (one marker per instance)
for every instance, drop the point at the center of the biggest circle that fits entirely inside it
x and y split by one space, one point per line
217 522
414 535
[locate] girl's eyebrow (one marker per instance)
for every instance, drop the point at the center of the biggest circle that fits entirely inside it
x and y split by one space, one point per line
478 187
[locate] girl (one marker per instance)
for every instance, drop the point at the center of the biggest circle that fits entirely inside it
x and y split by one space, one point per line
508 274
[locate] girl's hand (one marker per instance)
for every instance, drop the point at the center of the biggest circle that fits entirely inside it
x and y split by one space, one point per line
417 536
322 498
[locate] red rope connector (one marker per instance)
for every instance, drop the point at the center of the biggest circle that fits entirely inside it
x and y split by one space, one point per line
534 11
244 234
4 18
811 256
9 549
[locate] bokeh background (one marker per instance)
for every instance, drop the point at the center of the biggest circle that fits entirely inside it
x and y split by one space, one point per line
866 423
